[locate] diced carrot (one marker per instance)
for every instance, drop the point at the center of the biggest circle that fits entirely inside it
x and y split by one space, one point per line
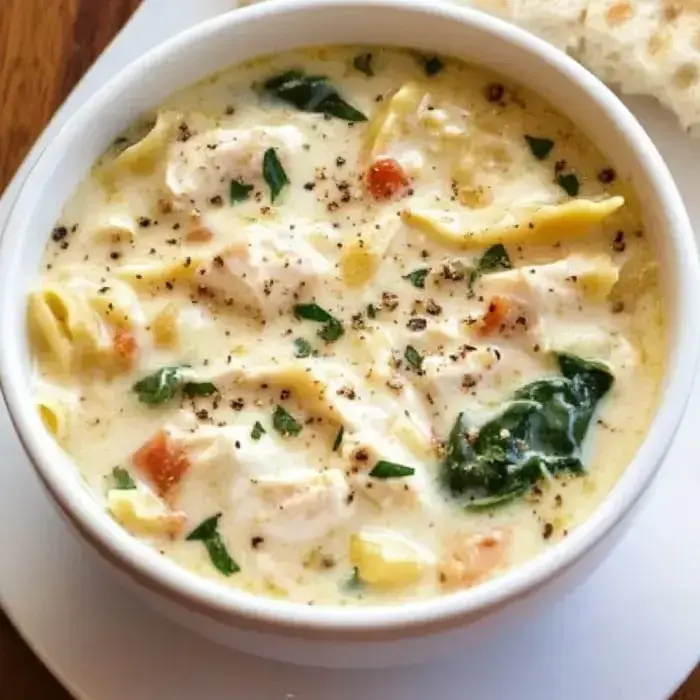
125 346
386 179
201 234
162 461
471 558
496 315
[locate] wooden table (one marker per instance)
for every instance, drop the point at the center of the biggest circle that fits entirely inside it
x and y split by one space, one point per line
45 47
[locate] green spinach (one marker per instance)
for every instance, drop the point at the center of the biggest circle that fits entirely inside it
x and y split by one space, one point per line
238 191
390 470
207 532
311 93
332 327
539 432
122 479
284 422
539 147
274 174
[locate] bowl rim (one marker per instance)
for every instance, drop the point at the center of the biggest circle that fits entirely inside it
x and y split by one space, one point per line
212 599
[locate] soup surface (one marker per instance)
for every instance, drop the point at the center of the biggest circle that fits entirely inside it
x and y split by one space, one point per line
350 325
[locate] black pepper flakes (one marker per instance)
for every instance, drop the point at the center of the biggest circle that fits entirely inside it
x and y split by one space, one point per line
607 175
547 530
417 324
59 233
494 92
144 221
255 542
618 244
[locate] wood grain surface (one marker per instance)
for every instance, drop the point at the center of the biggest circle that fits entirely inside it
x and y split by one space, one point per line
45 47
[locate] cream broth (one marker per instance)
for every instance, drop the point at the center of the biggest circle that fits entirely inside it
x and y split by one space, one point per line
288 328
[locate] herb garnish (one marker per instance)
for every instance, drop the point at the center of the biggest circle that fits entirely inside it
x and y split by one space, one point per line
312 93
207 532
494 259
162 385
332 328
417 277
354 582
540 432
540 148
432 65
390 470
284 423
338 438
303 348
413 357
158 387
274 174
192 389
363 63
122 479
238 191
258 431
569 183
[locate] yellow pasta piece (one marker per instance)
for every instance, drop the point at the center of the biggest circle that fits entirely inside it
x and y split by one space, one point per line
385 560
406 431
66 327
597 279
547 224
386 125
143 156
362 256
150 274
54 415
113 228
164 326
142 513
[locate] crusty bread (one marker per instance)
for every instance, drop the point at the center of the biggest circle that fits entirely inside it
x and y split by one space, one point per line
647 47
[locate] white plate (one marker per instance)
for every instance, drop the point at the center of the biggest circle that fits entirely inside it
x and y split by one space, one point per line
633 630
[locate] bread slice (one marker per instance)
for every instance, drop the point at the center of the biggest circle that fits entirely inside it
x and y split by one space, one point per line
643 47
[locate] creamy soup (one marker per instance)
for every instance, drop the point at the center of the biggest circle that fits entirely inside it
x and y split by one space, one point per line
350 326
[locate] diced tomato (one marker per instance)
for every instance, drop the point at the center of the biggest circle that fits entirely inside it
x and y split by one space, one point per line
125 346
386 179
162 461
496 315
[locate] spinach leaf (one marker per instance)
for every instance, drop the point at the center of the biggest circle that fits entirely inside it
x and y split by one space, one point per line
390 470
363 63
413 357
258 431
569 183
539 432
332 328
238 191
158 387
284 423
540 148
122 479
311 93
494 259
303 348
338 439
274 174
417 277
192 389
207 532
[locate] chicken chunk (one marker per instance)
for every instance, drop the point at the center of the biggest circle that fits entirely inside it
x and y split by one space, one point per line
471 558
203 167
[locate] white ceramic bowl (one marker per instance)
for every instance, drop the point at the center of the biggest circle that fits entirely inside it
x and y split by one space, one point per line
368 635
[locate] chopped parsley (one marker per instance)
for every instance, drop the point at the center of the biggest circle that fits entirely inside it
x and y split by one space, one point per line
569 183
122 479
207 532
417 277
284 423
338 439
238 191
311 93
258 431
332 327
274 174
158 387
494 259
413 357
303 348
390 470
363 63
540 148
